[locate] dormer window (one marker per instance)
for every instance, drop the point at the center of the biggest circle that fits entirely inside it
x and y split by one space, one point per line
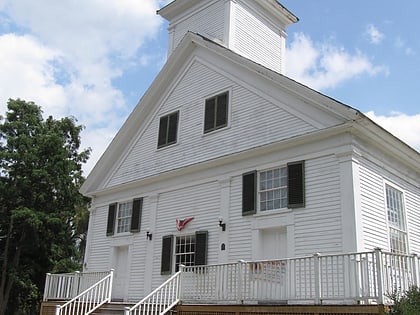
168 129
216 112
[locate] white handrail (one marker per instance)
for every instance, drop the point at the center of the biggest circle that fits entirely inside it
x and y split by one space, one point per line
160 300
65 286
367 277
90 299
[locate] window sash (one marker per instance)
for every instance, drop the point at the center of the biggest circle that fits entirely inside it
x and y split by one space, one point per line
185 247
168 129
216 112
272 189
396 220
124 217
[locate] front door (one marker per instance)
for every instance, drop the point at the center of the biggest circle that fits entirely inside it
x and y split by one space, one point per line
271 282
120 265
273 243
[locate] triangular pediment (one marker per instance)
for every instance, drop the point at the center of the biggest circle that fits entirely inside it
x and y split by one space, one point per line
265 107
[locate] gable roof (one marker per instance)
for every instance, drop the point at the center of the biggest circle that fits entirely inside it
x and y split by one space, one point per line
361 125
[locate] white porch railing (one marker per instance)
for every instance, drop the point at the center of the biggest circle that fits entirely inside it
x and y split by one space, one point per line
89 299
65 286
159 301
347 278
368 278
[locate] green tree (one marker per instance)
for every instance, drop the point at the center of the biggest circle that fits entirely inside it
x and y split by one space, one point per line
42 213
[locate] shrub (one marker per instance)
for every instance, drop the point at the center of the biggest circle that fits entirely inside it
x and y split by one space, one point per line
406 304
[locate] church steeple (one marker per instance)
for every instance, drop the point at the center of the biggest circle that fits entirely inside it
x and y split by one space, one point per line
254 29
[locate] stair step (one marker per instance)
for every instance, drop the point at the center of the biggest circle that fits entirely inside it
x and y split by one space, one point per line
113 308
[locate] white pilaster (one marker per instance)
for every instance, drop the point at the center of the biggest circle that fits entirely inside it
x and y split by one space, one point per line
224 214
149 248
352 229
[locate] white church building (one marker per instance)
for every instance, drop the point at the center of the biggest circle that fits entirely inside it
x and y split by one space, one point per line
227 167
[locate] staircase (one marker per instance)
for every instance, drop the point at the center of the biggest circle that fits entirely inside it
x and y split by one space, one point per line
113 308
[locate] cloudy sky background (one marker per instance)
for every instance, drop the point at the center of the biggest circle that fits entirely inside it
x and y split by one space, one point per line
94 59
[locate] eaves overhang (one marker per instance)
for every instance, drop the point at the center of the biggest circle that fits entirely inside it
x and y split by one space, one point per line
178 7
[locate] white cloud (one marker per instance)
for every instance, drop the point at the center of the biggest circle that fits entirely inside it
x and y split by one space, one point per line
70 53
373 34
401 45
405 127
323 66
28 73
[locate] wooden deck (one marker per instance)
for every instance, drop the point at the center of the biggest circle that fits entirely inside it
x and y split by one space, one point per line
281 309
48 308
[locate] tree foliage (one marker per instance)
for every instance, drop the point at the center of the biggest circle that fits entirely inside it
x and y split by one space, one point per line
42 214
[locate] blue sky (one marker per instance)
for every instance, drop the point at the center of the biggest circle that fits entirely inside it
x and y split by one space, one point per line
94 59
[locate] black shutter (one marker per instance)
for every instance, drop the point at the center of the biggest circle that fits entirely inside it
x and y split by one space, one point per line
166 259
163 131
209 113
222 110
173 127
249 193
296 184
112 212
201 248
136 215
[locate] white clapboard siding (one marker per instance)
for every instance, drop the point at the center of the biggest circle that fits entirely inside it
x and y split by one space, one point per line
412 204
318 226
99 250
208 22
253 122
374 213
201 201
139 255
372 197
240 237
257 40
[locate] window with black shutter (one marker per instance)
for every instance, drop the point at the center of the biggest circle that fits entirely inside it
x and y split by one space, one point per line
274 189
249 193
167 252
168 129
188 250
296 184
124 217
216 112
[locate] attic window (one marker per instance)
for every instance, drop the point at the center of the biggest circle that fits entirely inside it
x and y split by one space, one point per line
168 129
216 112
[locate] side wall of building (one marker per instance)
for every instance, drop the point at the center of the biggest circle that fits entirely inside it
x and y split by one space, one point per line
376 171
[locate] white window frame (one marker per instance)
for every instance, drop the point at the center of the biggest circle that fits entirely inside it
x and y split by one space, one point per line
396 218
277 193
123 217
189 241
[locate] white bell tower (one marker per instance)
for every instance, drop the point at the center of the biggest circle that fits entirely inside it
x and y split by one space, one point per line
254 29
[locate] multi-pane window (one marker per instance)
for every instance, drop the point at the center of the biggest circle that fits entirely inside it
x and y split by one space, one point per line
124 217
168 129
273 189
185 251
216 112
396 220
188 250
